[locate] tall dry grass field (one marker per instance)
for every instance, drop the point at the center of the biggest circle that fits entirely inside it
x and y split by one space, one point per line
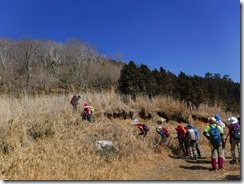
42 138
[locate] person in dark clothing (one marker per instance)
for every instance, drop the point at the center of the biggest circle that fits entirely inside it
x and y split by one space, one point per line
74 101
143 129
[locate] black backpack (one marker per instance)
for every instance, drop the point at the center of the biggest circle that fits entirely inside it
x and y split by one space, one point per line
145 127
236 131
73 100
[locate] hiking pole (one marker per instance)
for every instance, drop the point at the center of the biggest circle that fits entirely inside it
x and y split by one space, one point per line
225 144
226 137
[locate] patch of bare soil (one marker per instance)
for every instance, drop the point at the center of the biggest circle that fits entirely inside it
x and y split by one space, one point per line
168 166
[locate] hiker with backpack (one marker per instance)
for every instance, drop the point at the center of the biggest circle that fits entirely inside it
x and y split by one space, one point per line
220 123
143 129
164 133
181 132
74 101
197 141
214 133
192 141
88 112
235 135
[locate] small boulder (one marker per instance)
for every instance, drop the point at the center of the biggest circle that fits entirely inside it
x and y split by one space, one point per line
105 147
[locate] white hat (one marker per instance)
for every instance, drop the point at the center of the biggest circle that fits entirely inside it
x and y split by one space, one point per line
212 120
160 127
232 120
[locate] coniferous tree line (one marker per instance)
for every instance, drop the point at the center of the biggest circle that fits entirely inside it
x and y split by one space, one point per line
212 89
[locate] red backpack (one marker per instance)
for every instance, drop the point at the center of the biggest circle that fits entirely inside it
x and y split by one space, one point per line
166 132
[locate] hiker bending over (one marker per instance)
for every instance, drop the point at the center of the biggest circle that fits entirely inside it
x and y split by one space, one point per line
74 101
88 112
164 133
143 129
181 132
235 135
192 141
214 133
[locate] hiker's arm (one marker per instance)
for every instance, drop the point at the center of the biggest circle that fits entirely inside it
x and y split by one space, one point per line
205 134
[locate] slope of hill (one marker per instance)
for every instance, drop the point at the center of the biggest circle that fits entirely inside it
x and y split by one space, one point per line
42 138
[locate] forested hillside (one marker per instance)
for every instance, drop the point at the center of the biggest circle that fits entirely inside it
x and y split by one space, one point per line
213 89
43 67
28 66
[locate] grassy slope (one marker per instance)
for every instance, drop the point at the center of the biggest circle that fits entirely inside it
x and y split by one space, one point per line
42 138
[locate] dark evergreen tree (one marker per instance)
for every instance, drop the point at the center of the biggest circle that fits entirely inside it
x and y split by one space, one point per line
128 84
146 82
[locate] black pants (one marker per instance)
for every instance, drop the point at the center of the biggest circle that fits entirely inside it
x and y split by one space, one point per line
144 133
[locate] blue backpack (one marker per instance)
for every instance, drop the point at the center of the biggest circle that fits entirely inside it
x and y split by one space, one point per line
215 137
197 133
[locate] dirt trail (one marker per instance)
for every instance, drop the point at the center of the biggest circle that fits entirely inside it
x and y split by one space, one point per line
172 167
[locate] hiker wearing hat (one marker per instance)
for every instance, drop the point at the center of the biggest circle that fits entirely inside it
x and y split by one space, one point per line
196 146
181 132
143 129
164 133
214 133
74 101
235 135
192 140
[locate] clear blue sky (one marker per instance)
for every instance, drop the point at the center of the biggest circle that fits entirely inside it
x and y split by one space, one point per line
192 36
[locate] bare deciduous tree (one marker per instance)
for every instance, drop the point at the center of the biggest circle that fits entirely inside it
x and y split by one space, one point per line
53 56
5 49
26 54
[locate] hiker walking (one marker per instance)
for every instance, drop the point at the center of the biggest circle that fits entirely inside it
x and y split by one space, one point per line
164 133
88 112
74 101
235 135
143 129
192 140
181 132
214 133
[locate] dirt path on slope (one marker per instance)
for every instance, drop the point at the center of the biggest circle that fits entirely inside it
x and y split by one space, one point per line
172 167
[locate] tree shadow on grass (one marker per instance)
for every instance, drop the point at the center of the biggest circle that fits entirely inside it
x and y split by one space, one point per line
194 167
232 177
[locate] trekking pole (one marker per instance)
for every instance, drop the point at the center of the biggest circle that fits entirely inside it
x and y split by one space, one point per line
226 137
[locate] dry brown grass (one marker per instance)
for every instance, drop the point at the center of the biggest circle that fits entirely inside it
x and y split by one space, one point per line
43 139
